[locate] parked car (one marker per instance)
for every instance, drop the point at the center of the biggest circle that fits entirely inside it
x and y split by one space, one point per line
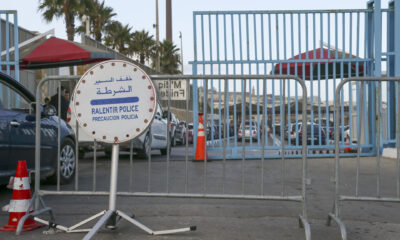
182 132
174 130
312 139
17 135
141 144
249 132
85 141
190 133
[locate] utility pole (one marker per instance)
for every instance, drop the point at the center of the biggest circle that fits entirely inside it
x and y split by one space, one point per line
180 36
157 39
169 20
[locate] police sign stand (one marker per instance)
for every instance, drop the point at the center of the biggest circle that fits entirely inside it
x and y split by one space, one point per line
114 102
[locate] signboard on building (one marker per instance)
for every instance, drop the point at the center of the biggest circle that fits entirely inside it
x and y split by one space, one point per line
114 101
178 89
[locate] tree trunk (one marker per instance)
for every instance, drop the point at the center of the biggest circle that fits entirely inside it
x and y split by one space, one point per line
142 58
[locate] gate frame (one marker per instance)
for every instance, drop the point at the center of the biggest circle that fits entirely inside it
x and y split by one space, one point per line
37 197
337 197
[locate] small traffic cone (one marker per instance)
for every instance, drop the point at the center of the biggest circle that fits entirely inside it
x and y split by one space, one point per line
201 141
19 203
347 150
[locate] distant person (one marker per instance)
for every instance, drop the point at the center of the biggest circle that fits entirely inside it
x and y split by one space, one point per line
64 102
46 100
67 95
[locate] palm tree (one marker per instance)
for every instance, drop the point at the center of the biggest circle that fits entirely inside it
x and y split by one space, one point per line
69 9
169 58
143 45
118 37
100 18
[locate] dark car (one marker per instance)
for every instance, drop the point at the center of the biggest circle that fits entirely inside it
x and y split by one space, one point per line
17 134
313 137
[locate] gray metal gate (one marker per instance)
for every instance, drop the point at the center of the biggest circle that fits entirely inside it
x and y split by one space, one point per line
195 183
322 47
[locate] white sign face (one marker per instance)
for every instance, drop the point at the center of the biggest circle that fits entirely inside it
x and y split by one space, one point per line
178 89
114 101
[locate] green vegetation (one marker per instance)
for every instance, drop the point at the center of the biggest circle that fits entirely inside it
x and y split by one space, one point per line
103 28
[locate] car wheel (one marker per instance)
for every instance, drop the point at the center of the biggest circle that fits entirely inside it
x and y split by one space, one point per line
144 152
67 162
164 151
173 141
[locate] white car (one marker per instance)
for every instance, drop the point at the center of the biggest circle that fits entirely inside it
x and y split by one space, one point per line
140 145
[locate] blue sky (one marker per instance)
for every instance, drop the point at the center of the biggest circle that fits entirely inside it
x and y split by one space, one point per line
141 14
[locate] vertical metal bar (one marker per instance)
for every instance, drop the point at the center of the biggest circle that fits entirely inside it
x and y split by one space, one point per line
205 130
243 113
243 130
378 141
59 135
296 73
234 83
94 165
263 135
226 129
273 81
258 84
212 131
398 130
131 166
149 158
195 85
8 53
76 150
219 80
169 132
304 151
361 126
16 47
337 158
37 144
342 74
282 110
186 137
378 66
113 177
250 89
350 84
397 74
360 108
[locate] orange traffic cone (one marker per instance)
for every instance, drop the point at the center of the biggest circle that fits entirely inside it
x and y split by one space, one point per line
19 203
201 141
347 150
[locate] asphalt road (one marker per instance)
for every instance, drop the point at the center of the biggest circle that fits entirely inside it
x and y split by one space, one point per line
225 218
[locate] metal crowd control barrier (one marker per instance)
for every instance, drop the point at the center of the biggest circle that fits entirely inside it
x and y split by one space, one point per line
283 196
335 215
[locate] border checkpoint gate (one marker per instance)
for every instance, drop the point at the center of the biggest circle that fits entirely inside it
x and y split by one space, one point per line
340 28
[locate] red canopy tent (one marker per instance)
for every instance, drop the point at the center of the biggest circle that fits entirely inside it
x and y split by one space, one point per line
56 52
290 68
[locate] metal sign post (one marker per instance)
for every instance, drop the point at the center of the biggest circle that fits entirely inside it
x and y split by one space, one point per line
115 101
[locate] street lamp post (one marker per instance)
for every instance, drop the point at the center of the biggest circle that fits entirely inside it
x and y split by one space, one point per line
180 36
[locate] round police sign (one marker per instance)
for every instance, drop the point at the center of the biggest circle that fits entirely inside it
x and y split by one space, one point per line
114 101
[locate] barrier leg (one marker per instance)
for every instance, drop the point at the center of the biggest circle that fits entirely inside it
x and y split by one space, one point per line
339 222
98 225
149 231
304 224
